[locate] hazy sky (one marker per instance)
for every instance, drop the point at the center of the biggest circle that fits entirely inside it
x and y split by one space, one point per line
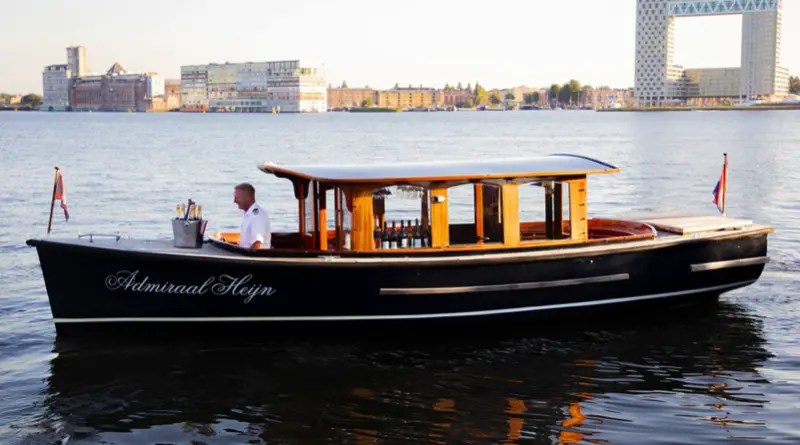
500 43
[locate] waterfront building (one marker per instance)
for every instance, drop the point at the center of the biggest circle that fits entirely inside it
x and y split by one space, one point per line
116 90
410 98
172 94
222 92
194 88
341 98
520 92
607 98
57 79
71 86
456 97
296 89
544 98
253 87
658 80
55 87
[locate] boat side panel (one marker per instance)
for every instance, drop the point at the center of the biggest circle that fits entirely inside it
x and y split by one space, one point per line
87 283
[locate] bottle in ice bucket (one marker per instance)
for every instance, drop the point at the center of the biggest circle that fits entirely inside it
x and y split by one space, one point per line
199 212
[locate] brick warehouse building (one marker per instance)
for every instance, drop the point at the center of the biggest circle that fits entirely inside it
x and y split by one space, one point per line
116 90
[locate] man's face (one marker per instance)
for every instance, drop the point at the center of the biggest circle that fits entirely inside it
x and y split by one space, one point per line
242 199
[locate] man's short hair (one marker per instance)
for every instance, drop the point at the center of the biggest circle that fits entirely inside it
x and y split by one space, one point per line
247 187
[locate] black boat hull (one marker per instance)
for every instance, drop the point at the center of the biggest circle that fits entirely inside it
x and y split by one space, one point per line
99 286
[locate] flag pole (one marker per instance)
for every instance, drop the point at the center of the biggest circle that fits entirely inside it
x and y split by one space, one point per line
725 188
52 201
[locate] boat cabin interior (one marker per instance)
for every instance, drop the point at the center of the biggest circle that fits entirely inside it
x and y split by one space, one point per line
453 206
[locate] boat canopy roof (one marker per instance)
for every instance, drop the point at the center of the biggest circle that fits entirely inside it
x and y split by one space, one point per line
555 165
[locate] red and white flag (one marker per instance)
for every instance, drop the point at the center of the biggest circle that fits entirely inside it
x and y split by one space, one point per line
61 194
721 187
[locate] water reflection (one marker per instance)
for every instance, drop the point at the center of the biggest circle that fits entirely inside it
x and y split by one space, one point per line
698 375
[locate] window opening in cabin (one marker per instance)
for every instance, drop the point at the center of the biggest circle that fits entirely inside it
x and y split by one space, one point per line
492 212
330 214
344 225
461 214
544 210
474 214
309 228
400 217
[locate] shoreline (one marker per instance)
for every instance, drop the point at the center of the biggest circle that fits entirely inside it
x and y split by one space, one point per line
719 108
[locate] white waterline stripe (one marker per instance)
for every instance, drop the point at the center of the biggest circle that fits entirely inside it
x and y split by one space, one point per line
402 317
502 287
715 265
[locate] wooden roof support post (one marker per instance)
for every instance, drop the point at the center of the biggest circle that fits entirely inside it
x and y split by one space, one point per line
338 216
361 233
510 209
315 216
548 211
479 231
558 207
578 213
440 223
300 193
423 208
322 219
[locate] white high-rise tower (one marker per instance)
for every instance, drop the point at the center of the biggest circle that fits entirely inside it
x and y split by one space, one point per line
658 79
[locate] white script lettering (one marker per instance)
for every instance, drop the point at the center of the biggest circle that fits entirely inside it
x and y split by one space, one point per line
222 285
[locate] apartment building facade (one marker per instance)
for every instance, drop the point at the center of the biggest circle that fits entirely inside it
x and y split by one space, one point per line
344 98
55 87
253 87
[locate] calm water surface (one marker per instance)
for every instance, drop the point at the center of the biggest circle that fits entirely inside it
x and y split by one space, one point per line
726 374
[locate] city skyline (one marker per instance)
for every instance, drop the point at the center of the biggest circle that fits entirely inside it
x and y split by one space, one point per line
363 44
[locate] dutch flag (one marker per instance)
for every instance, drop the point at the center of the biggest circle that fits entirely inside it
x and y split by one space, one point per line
722 187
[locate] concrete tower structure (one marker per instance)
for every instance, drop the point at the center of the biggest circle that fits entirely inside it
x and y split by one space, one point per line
658 79
77 62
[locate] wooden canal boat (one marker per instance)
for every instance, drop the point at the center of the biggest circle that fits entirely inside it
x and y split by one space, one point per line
488 259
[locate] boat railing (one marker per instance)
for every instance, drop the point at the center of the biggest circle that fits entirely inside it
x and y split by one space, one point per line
117 236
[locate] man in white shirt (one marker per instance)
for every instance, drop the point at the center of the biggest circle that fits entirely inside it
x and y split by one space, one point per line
255 232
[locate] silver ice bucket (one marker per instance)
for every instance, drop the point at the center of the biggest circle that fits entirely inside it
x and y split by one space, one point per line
186 233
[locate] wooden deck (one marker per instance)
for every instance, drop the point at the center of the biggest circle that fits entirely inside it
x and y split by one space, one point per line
690 224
